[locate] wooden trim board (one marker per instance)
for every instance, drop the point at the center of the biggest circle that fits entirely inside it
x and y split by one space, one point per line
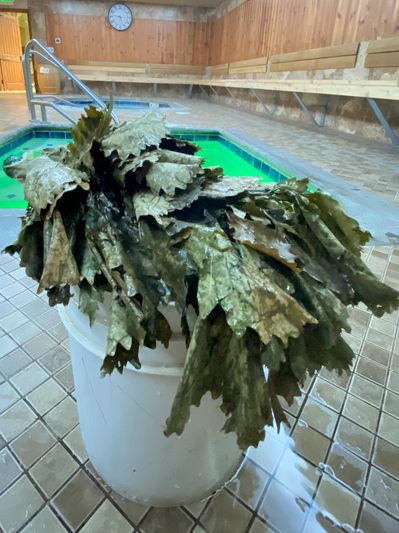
383 45
315 64
386 59
317 53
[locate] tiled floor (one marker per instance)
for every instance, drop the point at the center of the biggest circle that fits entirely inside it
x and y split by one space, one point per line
336 468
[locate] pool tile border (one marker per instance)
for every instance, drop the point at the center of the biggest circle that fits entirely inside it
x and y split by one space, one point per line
22 135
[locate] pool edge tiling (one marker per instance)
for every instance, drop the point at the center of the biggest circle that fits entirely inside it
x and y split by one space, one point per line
241 161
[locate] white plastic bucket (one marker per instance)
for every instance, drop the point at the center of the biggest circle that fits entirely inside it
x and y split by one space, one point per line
122 419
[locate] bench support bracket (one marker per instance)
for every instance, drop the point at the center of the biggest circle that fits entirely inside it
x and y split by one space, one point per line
189 91
269 111
213 90
204 91
154 89
383 121
232 95
307 111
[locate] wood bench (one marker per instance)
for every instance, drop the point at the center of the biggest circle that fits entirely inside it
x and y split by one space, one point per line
383 53
330 57
248 66
129 72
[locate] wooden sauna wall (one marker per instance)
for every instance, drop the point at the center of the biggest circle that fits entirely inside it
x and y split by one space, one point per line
265 27
86 38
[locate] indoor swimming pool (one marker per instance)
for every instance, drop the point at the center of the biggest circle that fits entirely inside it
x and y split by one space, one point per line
216 149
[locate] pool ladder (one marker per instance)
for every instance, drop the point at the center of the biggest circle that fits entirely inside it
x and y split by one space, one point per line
38 48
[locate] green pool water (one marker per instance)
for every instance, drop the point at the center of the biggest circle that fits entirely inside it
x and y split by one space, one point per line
214 153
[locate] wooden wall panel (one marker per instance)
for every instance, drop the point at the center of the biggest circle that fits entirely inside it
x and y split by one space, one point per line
85 38
267 27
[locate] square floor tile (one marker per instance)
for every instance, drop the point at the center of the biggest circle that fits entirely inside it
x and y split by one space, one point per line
33 444
362 413
10 266
383 490
39 346
380 339
7 345
9 469
249 484
359 321
326 393
25 333
14 362
319 417
44 522
78 499
75 443
309 443
389 428
18 504
134 511
260 527
63 417
298 475
366 390
386 457
5 279
8 396
375 353
393 382
283 509
391 403
341 380
65 378
15 420
59 332
12 289
372 371
90 468
36 308
348 467
339 502
46 396
268 453
107 519
48 319
30 283
6 309
224 514
373 520
53 469
383 326
196 508
13 321
29 378
22 298
319 522
55 359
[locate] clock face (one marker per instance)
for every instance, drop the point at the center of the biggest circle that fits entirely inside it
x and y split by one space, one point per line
120 17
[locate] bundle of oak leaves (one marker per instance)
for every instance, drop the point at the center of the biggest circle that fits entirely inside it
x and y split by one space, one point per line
268 270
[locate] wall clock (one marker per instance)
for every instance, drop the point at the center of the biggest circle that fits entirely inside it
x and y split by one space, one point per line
120 16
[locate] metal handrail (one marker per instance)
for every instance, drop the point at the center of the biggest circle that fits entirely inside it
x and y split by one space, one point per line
41 100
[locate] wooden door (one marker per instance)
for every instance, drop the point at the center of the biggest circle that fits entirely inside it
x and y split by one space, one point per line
12 78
